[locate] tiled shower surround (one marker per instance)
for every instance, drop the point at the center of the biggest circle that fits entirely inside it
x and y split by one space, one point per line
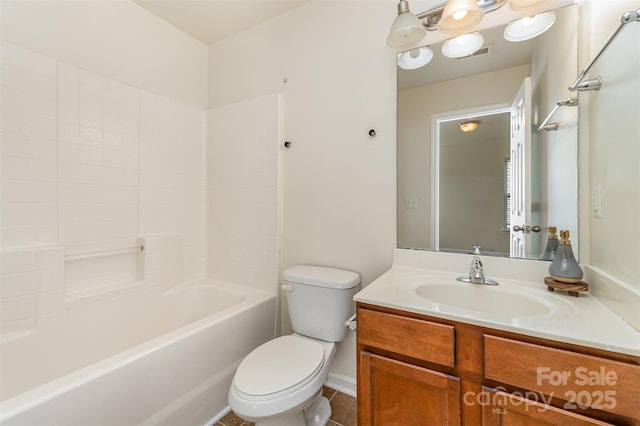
92 165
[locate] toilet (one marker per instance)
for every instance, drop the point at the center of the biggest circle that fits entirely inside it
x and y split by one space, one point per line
280 382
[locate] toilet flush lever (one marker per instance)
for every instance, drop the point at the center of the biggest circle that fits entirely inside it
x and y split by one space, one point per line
287 287
351 323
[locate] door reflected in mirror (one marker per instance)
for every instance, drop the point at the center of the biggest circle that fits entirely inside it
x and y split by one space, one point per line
459 189
471 181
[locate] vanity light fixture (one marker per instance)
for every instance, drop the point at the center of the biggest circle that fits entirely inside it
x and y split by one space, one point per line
523 4
460 15
462 46
529 27
469 126
406 28
415 58
406 31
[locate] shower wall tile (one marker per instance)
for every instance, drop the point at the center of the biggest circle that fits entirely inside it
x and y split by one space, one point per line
71 176
98 174
163 259
31 287
172 176
15 285
28 153
243 192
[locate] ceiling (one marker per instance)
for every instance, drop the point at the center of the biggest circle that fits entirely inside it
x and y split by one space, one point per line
213 20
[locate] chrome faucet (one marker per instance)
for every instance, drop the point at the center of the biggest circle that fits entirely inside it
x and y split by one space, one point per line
476 273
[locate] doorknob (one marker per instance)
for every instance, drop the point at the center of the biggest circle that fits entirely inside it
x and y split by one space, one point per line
527 228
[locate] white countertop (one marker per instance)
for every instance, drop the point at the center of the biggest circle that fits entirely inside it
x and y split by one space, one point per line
580 320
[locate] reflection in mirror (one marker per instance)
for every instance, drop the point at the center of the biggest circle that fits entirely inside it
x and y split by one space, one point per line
459 189
472 175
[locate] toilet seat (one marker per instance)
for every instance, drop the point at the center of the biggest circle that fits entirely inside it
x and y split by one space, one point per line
278 367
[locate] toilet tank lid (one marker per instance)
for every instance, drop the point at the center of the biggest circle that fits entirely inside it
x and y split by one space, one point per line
322 276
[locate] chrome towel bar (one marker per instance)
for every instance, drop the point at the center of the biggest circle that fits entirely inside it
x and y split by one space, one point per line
595 83
554 126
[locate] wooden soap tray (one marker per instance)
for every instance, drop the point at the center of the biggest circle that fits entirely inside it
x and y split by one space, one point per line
574 289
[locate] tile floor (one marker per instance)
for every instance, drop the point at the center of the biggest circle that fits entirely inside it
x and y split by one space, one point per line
343 411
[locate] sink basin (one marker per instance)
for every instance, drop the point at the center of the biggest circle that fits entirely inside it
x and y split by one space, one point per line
491 300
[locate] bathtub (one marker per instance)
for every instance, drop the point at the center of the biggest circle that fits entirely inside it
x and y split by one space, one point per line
146 357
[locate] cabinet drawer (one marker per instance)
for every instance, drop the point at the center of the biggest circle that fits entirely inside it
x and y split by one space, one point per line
578 379
416 338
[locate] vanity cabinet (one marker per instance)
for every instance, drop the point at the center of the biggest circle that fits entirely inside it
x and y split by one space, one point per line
419 370
422 396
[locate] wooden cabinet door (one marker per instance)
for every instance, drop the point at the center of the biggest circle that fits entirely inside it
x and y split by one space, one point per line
394 393
503 409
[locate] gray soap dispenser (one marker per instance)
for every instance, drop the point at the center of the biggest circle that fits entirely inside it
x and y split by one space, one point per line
564 267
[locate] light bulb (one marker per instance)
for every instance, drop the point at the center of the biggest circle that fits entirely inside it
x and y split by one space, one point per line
462 45
459 15
529 27
462 40
415 58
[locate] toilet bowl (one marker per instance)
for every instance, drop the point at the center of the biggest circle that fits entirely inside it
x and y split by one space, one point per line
280 382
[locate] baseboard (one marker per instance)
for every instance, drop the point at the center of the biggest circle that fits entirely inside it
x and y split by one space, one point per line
218 417
342 383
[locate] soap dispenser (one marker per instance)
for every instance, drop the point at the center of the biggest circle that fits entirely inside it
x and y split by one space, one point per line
564 267
552 245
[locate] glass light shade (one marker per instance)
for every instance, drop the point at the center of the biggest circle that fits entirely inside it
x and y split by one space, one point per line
415 58
469 126
405 30
529 27
523 4
463 45
460 15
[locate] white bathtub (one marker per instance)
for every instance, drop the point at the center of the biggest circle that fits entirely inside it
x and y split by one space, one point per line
148 357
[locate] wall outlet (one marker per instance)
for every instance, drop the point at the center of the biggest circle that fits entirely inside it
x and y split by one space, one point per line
411 203
596 201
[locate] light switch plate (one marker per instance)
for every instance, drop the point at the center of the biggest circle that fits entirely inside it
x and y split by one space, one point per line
596 201
411 203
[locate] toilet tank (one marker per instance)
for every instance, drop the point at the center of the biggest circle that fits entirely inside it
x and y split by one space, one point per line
320 300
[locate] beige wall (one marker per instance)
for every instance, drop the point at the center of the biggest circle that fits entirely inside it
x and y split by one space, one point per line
610 148
116 39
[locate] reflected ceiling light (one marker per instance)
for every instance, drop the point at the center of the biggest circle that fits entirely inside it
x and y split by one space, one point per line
462 46
460 15
529 27
406 29
469 125
523 4
415 58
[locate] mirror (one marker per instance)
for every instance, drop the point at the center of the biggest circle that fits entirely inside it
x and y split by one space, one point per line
458 189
